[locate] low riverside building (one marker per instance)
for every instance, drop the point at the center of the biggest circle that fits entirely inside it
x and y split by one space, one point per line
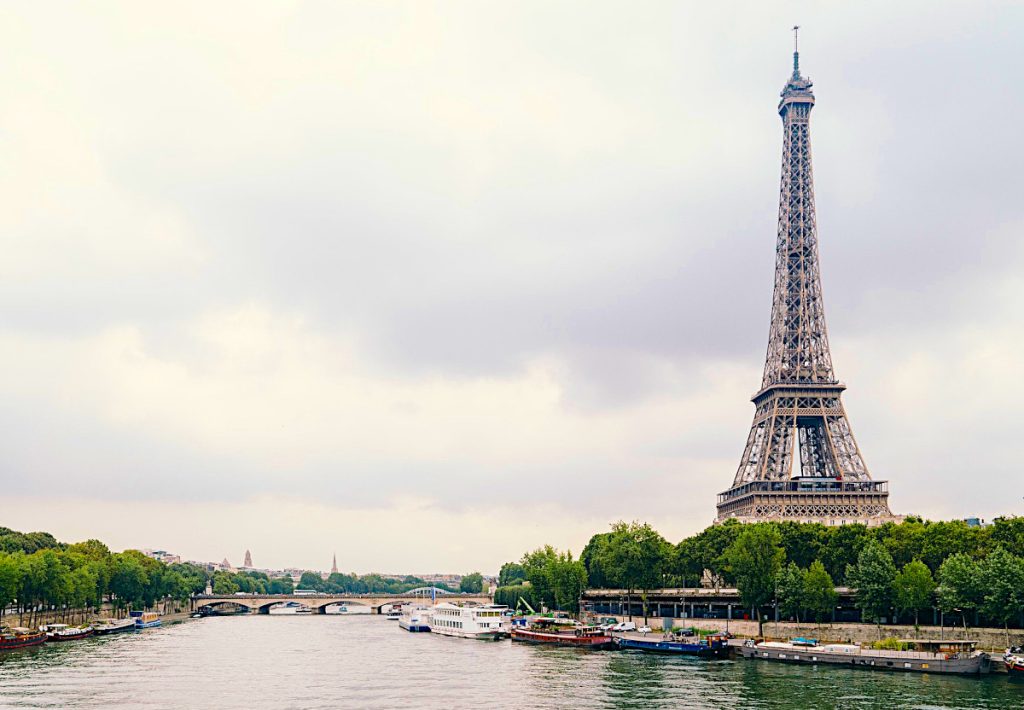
693 603
724 603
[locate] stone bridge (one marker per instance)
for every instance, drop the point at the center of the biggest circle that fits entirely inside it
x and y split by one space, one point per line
318 603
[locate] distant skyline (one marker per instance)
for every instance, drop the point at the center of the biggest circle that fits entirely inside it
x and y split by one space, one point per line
430 284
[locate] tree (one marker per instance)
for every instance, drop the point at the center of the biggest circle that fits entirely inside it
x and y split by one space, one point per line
592 556
281 585
841 547
10 579
959 585
802 542
510 573
556 580
1003 583
754 561
914 588
873 578
819 591
789 590
472 583
706 550
511 595
635 555
568 580
128 581
224 583
311 580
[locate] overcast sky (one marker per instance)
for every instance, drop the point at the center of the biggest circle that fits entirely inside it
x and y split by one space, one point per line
432 283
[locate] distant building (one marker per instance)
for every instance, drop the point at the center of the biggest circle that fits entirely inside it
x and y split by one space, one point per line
248 561
975 522
334 564
164 556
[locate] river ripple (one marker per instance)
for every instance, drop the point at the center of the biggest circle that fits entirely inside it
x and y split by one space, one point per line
367 662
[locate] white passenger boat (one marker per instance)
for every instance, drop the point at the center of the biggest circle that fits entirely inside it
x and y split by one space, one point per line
415 617
471 622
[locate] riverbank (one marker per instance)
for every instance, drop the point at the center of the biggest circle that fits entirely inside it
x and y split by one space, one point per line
989 639
169 614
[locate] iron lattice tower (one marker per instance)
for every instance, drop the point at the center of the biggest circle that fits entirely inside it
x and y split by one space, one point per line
799 421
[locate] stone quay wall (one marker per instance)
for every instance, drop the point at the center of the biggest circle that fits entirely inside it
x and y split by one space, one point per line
990 639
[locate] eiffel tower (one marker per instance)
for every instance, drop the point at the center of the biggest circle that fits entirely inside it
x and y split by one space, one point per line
799 419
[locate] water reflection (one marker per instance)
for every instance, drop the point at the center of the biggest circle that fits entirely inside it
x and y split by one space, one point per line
366 662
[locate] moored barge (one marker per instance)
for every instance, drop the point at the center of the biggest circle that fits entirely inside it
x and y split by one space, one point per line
928 656
145 619
549 631
113 626
13 638
63 632
713 646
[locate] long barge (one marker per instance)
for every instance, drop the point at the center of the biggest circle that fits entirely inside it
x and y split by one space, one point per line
12 639
555 632
710 647
929 656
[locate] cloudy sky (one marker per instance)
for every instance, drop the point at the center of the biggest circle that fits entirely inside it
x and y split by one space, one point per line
431 283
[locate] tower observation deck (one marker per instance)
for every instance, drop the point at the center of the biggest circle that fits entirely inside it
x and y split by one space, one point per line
801 461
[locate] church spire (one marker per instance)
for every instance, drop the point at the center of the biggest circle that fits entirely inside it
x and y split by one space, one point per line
334 564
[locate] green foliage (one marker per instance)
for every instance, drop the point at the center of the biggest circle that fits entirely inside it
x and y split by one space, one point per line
13 541
224 583
472 583
311 580
873 578
789 591
592 558
556 579
510 596
891 644
10 578
914 588
819 592
841 548
755 559
635 555
510 573
704 551
1002 576
960 586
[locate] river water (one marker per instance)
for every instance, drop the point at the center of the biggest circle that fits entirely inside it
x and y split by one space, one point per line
306 662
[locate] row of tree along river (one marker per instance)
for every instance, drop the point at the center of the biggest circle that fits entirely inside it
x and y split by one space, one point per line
897 571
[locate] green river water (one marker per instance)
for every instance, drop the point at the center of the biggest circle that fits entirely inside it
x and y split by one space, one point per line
368 662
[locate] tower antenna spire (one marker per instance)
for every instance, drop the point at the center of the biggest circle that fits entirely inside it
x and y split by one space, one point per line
796 50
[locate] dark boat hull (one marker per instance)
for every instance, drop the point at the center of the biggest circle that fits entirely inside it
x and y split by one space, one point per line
673 647
116 630
596 643
13 644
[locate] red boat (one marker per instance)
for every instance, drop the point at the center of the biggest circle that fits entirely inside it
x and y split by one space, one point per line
550 631
15 638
